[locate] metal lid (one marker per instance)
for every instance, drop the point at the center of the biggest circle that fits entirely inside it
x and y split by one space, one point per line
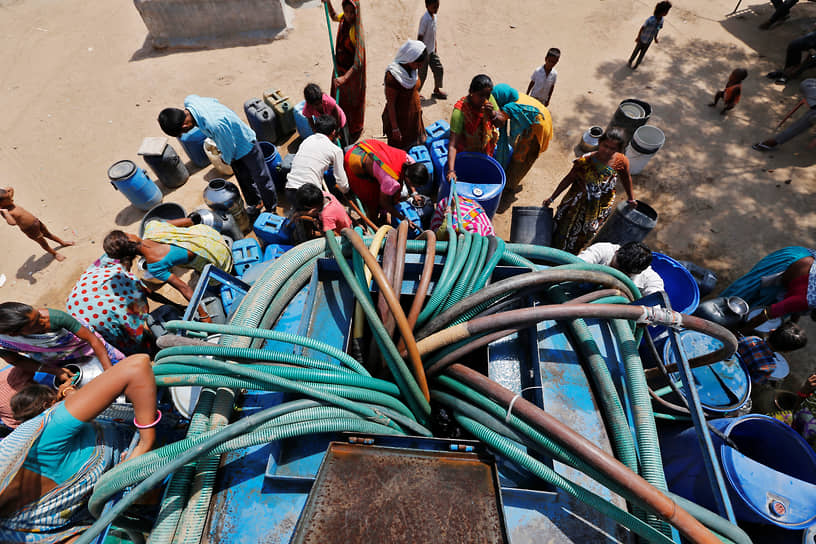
121 170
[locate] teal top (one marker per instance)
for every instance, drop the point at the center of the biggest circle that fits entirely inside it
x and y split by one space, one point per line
61 320
63 447
162 269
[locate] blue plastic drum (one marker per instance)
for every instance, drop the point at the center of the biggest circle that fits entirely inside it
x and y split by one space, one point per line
134 183
193 143
724 386
478 177
679 284
271 155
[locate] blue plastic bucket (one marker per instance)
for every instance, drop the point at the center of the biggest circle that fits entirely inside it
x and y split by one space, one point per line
193 143
724 386
679 284
304 129
271 156
771 476
134 183
478 177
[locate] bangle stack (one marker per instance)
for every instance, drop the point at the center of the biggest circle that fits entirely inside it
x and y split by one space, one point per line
149 425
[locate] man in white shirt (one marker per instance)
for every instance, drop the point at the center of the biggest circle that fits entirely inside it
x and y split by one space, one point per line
315 155
427 35
632 258
542 82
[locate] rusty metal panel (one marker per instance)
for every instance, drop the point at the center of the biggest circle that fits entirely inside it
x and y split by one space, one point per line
377 494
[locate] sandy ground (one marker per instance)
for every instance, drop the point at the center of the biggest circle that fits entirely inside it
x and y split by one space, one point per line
80 89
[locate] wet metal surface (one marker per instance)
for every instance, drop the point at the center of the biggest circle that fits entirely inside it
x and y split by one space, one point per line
376 494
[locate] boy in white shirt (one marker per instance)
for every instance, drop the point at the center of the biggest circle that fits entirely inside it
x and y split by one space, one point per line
542 82
427 35
315 155
632 258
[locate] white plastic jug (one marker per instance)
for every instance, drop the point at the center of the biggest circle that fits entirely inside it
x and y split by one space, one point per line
214 154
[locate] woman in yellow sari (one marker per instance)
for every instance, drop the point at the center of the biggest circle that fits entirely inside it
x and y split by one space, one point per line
529 133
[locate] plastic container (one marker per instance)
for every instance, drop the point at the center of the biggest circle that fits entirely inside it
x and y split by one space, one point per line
261 118
646 141
284 113
135 184
724 386
440 130
168 167
161 315
282 170
421 154
223 196
771 475
478 177
245 253
410 213
684 295
193 143
214 154
589 141
273 251
439 158
267 228
627 224
705 278
730 312
302 125
271 155
163 212
531 225
630 115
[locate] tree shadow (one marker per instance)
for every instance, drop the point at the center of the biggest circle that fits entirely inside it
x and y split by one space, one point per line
32 265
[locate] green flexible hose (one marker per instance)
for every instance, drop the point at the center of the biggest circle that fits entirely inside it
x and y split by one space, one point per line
470 258
487 272
283 297
437 295
250 354
512 452
445 288
543 253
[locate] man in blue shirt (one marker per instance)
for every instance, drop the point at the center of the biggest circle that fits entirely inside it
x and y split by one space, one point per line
236 142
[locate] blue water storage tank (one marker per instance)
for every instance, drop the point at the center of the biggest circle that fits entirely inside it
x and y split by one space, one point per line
245 253
193 143
437 131
439 158
134 183
261 119
679 284
770 473
478 177
267 228
304 129
421 154
722 387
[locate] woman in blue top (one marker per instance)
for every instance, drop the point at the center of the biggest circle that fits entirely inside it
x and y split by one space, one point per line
50 463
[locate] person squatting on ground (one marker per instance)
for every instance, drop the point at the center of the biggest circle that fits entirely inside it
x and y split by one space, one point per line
648 33
314 213
316 154
31 226
759 354
235 140
732 92
808 89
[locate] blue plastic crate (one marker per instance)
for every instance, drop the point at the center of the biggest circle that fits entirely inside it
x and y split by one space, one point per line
245 253
267 228
273 251
437 131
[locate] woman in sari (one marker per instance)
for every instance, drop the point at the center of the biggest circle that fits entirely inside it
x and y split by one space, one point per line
169 244
350 64
121 317
402 116
473 122
44 340
530 132
784 282
50 463
588 202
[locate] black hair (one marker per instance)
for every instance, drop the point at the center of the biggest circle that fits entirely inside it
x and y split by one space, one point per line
32 401
616 135
118 246
787 337
553 52
423 57
480 83
633 258
171 121
312 93
308 196
741 73
3 193
14 316
324 124
662 8
430 2
416 174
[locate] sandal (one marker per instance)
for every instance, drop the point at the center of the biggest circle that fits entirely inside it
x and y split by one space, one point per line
440 95
759 146
775 74
781 80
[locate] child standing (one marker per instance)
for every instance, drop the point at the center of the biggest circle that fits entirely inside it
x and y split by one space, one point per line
30 225
648 32
427 35
542 82
732 92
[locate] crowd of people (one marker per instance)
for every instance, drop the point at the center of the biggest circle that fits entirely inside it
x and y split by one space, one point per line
55 447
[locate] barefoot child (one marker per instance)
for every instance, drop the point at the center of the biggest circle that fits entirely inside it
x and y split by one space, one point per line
542 82
427 35
732 92
30 225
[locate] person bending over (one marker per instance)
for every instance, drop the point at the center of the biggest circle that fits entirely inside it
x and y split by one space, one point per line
632 258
